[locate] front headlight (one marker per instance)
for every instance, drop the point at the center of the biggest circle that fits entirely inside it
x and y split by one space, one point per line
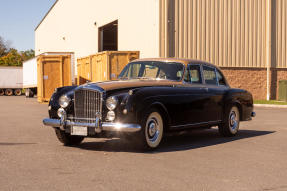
111 103
64 101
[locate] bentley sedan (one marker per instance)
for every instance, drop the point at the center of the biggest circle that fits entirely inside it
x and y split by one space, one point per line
150 98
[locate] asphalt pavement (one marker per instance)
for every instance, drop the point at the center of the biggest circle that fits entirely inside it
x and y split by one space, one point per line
31 157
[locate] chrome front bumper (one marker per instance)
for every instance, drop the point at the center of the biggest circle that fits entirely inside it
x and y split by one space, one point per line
122 127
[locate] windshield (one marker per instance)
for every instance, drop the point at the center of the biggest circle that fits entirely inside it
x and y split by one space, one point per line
153 70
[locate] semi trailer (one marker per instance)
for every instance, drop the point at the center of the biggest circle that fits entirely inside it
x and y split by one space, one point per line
30 77
11 80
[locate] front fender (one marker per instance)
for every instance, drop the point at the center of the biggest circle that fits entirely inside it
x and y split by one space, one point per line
54 104
149 103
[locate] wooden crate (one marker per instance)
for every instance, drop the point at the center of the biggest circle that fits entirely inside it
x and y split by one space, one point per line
53 71
104 66
84 70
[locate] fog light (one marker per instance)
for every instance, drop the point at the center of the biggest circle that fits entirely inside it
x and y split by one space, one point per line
61 112
111 116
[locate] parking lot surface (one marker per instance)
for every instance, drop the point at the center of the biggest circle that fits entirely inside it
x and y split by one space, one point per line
31 157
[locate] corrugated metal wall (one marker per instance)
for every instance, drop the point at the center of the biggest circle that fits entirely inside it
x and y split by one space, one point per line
228 33
281 33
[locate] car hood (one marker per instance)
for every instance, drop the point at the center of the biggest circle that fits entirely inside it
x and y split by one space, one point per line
123 84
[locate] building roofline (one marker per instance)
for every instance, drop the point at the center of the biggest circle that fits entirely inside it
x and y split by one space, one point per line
46 14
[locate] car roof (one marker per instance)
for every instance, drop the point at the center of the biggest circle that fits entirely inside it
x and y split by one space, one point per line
184 61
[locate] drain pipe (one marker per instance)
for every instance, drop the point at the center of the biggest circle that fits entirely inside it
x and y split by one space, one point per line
268 45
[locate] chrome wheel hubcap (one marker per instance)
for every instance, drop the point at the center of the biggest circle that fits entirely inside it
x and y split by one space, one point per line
153 130
234 119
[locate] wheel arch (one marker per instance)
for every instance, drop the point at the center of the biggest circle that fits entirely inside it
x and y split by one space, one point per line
163 111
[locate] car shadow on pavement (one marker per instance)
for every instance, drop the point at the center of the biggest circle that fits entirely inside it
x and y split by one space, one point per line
177 142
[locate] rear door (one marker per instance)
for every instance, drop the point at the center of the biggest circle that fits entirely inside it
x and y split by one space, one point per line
188 109
216 89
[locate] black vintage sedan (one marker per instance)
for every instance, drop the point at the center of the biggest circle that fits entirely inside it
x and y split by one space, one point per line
150 98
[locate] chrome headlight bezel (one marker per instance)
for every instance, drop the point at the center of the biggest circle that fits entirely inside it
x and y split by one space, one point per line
64 101
111 103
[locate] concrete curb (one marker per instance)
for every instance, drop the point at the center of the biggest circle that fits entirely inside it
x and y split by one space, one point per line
271 106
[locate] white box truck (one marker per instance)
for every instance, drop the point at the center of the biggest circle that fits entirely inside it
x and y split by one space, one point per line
30 77
11 80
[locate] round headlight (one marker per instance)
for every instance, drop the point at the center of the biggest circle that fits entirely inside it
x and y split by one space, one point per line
111 103
111 116
64 101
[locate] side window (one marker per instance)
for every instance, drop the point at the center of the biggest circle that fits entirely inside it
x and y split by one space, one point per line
221 80
209 75
193 74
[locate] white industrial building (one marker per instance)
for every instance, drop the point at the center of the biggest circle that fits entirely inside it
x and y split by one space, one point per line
247 39
90 26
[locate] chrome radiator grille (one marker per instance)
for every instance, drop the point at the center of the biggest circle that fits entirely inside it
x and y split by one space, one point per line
88 105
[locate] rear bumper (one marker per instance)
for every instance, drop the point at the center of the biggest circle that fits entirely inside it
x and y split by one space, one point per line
122 127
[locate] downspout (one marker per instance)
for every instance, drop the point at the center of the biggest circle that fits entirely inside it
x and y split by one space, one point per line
268 44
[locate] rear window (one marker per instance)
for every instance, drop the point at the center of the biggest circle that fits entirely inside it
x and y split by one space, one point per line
209 75
221 80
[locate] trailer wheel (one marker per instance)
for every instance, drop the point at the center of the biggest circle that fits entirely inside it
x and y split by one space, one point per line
18 92
2 92
29 93
8 92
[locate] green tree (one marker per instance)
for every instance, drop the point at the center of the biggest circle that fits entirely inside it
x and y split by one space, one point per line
28 54
11 56
3 47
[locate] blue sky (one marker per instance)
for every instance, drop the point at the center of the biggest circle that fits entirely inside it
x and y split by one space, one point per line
19 18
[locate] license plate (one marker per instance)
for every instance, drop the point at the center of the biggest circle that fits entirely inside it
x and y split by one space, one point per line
78 130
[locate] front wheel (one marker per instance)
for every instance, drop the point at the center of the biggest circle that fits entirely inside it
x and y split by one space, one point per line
67 139
230 124
152 130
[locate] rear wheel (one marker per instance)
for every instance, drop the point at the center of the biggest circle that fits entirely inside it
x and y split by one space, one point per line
2 92
8 92
67 139
18 92
230 125
152 130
